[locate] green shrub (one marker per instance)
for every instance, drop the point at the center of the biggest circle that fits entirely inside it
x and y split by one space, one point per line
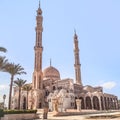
1 113
19 111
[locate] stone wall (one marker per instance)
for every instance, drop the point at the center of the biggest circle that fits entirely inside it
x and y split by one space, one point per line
30 116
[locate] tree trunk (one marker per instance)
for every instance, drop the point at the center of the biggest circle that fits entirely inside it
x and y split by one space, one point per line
10 92
27 100
19 97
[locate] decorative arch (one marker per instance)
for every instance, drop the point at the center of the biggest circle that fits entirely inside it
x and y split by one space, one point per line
46 93
75 103
82 103
96 104
88 103
40 105
53 87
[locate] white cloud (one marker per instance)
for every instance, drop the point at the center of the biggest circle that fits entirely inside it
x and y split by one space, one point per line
4 87
109 85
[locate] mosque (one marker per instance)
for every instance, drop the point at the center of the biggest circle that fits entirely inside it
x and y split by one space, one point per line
47 83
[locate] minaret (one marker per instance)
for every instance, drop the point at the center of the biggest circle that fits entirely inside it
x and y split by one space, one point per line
77 64
37 74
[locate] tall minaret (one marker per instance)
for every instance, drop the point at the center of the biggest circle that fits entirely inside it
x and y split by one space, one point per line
77 64
37 74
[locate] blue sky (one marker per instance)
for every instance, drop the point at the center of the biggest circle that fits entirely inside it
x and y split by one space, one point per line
97 23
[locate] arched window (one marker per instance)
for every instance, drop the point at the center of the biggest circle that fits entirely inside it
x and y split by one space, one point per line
96 105
88 103
82 103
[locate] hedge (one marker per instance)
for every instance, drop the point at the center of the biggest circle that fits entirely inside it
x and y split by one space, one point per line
19 111
1 113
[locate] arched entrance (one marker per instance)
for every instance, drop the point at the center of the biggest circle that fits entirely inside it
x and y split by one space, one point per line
82 103
40 105
75 103
96 105
88 103
24 103
46 93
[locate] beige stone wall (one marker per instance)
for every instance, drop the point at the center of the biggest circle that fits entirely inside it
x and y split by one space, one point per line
18 116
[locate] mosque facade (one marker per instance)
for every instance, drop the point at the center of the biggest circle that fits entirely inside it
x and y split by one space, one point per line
47 83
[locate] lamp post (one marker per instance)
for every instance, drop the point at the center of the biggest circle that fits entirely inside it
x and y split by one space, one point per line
4 97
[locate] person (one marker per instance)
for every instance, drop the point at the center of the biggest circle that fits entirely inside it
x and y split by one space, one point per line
45 109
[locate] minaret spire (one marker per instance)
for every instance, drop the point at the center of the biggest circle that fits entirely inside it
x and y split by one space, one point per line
38 48
74 31
39 4
50 62
77 64
37 81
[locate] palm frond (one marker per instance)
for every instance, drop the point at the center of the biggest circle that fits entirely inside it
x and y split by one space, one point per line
3 63
2 49
14 69
19 82
27 87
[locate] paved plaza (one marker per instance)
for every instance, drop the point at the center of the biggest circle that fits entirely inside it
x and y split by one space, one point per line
86 116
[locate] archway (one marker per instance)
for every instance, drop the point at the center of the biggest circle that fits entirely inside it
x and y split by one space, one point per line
75 103
24 103
46 93
40 105
82 103
53 87
96 105
88 103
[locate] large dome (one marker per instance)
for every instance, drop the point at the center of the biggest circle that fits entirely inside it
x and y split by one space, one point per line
51 73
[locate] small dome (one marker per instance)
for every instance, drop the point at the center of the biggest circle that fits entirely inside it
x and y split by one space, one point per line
51 73
88 88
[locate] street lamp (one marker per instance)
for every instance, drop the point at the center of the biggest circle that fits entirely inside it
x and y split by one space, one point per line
4 97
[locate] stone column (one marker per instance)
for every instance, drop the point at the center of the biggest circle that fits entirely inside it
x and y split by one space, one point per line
92 102
103 103
100 104
116 104
84 102
78 103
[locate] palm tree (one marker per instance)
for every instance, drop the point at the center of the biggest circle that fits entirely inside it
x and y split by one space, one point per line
3 62
27 88
13 69
19 83
2 49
